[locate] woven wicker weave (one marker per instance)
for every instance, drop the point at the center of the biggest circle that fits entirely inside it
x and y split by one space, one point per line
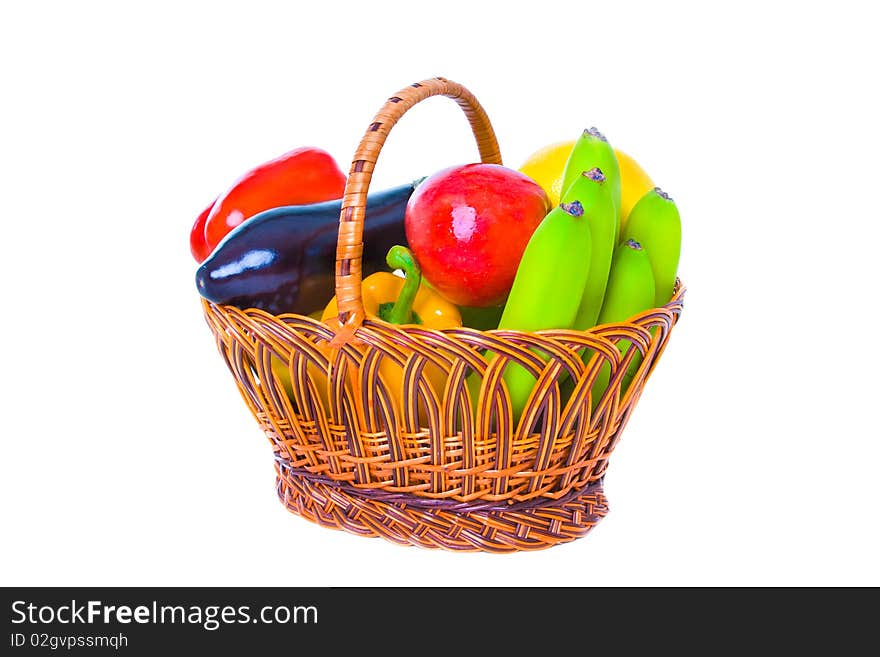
440 470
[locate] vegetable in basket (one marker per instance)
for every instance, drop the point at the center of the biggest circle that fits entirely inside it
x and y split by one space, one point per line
197 244
655 223
283 260
398 300
401 299
299 177
547 289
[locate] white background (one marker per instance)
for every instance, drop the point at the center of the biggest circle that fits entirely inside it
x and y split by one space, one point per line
128 456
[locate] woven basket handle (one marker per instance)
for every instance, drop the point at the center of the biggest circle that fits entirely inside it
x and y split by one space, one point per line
349 244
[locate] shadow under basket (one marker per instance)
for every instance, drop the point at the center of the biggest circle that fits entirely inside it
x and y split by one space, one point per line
438 460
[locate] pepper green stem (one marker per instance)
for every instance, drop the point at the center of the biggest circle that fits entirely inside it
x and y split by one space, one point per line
400 257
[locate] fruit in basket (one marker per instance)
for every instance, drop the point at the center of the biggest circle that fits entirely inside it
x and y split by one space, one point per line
468 226
283 260
402 300
548 287
634 183
591 190
545 167
656 224
302 176
630 291
591 149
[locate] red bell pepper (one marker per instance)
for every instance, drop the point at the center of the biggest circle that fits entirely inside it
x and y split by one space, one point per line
197 244
299 177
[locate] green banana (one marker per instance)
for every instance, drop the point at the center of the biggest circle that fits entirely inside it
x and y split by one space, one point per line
591 191
655 223
590 150
630 291
548 287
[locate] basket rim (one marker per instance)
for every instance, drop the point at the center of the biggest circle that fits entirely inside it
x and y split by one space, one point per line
674 305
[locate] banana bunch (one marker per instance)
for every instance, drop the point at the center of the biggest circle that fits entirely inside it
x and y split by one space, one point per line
592 262
634 259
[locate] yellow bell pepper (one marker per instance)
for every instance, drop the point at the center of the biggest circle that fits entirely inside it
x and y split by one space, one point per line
390 298
396 300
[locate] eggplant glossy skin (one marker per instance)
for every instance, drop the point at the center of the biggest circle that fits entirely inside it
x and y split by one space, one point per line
283 260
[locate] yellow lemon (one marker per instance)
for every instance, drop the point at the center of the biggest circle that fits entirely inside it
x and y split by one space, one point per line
634 183
546 166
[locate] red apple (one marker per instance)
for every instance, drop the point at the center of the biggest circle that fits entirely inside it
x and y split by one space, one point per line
468 226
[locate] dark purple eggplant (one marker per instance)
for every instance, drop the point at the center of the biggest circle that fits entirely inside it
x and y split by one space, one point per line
283 260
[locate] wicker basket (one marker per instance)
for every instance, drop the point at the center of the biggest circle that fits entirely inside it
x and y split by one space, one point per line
442 470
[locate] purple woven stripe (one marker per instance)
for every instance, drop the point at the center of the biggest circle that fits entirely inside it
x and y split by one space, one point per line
415 501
